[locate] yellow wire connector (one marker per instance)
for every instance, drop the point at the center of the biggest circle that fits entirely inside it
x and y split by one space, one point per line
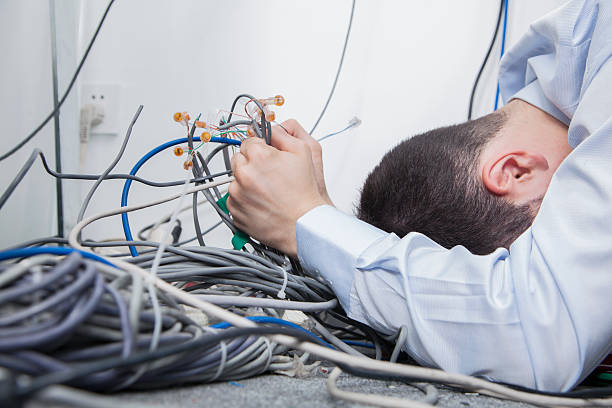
277 100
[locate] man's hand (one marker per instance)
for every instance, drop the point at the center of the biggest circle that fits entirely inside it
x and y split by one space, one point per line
275 185
296 130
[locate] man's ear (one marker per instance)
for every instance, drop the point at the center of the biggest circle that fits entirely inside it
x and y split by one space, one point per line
509 174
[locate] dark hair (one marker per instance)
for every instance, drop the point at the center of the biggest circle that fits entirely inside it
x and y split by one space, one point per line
430 184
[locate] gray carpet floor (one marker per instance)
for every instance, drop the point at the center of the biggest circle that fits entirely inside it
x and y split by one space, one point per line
281 391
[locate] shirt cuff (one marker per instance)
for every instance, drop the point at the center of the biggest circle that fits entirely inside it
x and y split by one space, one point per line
534 95
329 242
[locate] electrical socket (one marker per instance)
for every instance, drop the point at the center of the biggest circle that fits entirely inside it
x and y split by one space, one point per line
108 98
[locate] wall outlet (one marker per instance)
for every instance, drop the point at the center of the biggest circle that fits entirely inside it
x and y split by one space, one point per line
108 97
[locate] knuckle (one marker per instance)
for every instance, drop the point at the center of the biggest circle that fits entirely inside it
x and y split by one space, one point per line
233 190
239 172
315 146
290 122
259 152
247 178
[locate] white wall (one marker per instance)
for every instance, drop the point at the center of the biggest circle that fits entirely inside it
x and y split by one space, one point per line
409 67
26 97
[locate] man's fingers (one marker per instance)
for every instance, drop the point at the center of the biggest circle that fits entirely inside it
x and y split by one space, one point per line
238 160
293 128
251 144
286 142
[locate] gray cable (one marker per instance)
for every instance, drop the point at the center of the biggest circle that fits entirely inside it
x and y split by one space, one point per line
335 341
331 93
110 167
374 399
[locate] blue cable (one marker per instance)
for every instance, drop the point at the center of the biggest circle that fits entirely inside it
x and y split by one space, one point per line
359 343
25 252
274 320
128 183
503 45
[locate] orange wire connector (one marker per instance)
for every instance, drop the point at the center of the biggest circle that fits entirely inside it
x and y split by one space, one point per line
277 100
205 137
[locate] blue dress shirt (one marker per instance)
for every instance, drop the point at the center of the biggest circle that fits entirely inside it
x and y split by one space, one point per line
537 315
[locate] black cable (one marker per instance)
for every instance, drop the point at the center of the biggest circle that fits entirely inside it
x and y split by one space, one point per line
486 58
331 93
75 176
70 85
59 194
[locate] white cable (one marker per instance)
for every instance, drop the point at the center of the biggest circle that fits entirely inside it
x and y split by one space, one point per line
374 399
222 362
77 228
281 293
356 362
160 251
246 301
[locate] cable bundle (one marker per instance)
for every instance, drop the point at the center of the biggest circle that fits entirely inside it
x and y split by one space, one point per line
57 314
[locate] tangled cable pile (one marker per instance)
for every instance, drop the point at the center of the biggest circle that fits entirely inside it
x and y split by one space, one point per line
163 313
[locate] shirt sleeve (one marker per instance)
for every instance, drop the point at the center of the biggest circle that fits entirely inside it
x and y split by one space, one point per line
536 315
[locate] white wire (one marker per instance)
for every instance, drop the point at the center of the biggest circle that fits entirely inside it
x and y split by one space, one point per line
374 399
246 301
356 362
158 255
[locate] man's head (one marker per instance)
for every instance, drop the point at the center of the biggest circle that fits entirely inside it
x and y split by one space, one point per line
478 184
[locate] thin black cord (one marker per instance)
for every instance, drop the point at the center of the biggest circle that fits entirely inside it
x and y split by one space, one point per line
331 93
61 101
59 194
486 58
75 176
26 167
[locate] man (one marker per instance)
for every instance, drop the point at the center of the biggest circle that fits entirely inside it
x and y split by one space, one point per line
529 305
